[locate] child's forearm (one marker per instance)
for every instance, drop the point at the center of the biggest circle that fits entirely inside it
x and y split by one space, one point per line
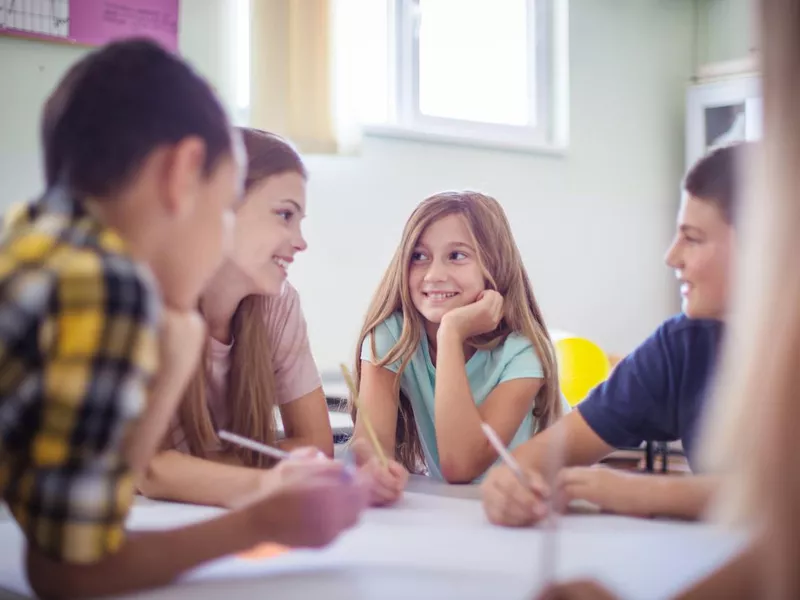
677 496
463 451
146 560
175 476
378 398
580 445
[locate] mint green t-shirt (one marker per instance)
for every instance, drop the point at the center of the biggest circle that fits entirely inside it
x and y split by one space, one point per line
486 369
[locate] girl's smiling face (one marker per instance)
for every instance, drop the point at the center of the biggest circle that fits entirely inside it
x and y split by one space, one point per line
267 233
444 272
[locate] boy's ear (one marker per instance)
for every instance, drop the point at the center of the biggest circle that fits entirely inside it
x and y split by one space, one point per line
184 175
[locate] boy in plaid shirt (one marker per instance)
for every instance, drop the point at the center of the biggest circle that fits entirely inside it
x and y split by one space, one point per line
98 331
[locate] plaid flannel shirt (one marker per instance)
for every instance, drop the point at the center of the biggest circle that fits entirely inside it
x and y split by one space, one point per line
78 346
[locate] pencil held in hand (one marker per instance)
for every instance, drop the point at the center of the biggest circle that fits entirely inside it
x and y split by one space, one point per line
500 448
253 445
509 460
373 437
549 542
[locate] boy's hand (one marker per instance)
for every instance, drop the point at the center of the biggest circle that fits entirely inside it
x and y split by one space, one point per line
181 340
506 501
611 490
302 462
312 502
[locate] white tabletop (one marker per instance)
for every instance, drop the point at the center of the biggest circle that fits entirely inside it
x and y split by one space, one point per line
437 544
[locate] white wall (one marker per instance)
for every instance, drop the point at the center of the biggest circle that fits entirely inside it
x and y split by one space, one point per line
28 72
592 226
725 30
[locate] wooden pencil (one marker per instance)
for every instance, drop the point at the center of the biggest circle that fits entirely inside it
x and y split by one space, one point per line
373 437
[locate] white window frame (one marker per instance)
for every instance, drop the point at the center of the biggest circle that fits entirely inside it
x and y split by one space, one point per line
546 41
239 66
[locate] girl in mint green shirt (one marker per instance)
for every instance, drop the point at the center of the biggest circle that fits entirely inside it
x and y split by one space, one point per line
453 338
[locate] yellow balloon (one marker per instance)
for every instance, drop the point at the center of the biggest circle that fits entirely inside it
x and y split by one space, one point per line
581 366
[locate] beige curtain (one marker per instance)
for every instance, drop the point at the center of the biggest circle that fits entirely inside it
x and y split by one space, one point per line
290 69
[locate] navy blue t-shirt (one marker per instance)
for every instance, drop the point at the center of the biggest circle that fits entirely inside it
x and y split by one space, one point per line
658 391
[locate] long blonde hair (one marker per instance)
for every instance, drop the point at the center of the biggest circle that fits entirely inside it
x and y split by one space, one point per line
251 392
752 423
503 271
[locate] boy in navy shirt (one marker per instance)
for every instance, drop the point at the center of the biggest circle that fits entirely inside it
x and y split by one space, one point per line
657 392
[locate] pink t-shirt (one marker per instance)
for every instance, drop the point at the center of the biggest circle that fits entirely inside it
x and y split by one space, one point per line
295 370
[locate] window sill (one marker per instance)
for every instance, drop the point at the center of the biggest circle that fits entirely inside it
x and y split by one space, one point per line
504 143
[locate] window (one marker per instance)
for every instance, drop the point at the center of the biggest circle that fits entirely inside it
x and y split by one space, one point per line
475 71
241 61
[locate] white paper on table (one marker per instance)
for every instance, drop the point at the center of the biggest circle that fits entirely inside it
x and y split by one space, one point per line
168 515
442 538
436 547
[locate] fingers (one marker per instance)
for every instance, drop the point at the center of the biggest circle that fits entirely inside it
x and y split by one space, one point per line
568 484
508 502
590 485
578 474
387 484
311 510
491 297
495 304
525 501
536 483
345 501
354 499
501 510
569 474
399 472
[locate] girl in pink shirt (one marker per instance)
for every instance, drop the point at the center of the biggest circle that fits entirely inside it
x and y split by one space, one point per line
257 356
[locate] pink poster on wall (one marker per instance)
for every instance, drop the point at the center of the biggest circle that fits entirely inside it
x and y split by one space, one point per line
95 22
91 22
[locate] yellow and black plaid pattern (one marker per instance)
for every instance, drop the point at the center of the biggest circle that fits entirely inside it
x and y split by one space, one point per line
77 350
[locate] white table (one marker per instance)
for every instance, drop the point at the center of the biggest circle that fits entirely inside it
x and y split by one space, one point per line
437 544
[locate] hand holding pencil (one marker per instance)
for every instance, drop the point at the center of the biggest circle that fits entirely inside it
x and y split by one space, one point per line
387 477
513 496
310 501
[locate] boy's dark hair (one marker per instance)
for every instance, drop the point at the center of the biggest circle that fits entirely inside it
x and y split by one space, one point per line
716 178
119 104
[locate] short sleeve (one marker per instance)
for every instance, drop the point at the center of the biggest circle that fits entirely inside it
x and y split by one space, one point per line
99 351
636 402
386 335
522 361
296 372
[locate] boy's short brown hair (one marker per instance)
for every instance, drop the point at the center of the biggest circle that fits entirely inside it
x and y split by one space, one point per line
716 178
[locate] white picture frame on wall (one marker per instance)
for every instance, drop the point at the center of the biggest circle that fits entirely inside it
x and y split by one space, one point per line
722 112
